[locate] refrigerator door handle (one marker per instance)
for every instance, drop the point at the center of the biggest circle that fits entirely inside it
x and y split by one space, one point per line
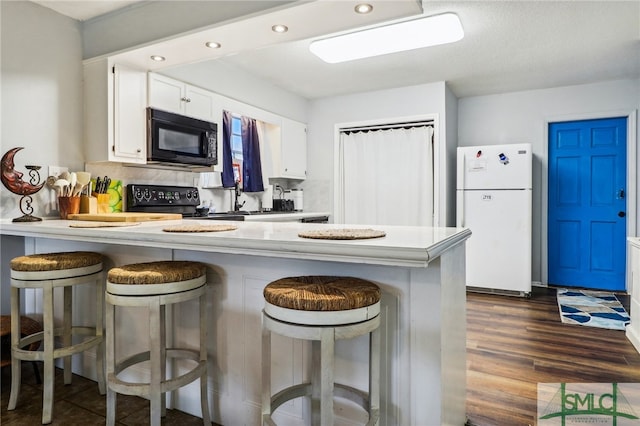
463 163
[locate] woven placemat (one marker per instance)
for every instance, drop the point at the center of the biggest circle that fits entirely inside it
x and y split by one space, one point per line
90 224
200 228
342 234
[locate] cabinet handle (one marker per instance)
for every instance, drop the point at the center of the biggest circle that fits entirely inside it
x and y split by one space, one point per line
138 150
185 99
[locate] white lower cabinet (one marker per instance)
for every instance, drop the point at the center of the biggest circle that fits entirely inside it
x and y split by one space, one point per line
115 100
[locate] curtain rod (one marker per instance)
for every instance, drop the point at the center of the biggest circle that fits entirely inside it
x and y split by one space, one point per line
405 125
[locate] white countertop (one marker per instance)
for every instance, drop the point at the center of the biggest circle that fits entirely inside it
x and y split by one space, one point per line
402 245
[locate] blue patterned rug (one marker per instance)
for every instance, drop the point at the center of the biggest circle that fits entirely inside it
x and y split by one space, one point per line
592 308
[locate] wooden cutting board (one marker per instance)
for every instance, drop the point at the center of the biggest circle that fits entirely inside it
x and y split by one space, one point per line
124 217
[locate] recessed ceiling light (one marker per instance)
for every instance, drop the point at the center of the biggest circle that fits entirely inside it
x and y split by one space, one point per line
363 8
158 58
213 44
279 28
406 35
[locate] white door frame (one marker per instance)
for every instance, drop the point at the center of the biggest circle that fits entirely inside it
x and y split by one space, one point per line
438 161
631 180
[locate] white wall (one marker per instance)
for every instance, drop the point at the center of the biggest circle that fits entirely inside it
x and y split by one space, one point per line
325 113
41 92
520 117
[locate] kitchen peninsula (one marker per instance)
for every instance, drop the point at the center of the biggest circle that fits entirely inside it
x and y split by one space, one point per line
420 270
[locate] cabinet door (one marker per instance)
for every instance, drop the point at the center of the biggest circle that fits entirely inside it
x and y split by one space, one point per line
129 116
166 93
294 149
199 103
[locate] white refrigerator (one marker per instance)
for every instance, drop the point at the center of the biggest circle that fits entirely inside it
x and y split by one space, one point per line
493 200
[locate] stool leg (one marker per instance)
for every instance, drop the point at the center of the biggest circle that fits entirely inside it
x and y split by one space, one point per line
111 361
316 381
163 358
66 330
48 375
374 376
266 372
100 332
16 368
204 394
327 346
155 358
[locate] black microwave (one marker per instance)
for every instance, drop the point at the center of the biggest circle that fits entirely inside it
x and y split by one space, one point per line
174 138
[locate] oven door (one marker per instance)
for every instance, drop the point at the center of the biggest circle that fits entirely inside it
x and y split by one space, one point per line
177 139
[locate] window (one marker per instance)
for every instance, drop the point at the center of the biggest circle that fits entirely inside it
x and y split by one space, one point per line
236 139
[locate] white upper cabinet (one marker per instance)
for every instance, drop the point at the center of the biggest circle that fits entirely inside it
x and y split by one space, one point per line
294 150
115 100
178 97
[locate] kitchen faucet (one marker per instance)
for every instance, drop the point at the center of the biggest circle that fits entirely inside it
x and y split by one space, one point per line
237 206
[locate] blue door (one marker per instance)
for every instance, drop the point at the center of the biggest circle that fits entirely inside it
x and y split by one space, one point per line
587 203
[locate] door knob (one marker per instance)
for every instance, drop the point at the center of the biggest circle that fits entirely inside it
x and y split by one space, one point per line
621 214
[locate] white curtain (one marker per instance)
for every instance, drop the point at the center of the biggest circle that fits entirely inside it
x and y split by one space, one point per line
388 177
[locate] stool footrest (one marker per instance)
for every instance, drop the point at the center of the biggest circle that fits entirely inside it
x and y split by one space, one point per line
339 390
28 355
142 388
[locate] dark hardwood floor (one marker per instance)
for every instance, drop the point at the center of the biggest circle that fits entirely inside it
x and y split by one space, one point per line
514 343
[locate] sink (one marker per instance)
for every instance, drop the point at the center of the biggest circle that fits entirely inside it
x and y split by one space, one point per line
222 216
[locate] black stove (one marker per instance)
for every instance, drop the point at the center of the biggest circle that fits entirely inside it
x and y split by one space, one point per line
170 199
163 199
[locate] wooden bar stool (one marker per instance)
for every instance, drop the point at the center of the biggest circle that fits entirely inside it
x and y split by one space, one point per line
154 285
322 309
28 326
47 272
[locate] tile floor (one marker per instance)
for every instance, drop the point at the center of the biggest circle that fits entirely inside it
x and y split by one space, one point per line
77 404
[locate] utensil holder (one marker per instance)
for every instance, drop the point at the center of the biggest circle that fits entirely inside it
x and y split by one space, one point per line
88 204
103 202
68 205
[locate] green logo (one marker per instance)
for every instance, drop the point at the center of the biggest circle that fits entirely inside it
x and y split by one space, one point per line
582 403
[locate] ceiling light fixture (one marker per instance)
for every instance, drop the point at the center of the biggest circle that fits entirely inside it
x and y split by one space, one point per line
402 36
279 28
363 8
213 44
158 58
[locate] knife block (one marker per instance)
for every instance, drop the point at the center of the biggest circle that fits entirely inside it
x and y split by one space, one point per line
103 203
88 204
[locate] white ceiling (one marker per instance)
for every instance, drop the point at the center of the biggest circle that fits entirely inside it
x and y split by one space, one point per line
508 46
85 9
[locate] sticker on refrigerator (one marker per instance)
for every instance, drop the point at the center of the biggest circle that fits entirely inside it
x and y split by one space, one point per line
477 166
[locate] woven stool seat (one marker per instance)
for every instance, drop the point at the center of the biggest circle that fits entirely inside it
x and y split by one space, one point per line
153 278
322 309
154 286
322 293
46 272
56 261
322 300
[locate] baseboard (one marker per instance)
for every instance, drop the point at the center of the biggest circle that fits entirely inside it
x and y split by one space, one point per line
633 337
501 292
